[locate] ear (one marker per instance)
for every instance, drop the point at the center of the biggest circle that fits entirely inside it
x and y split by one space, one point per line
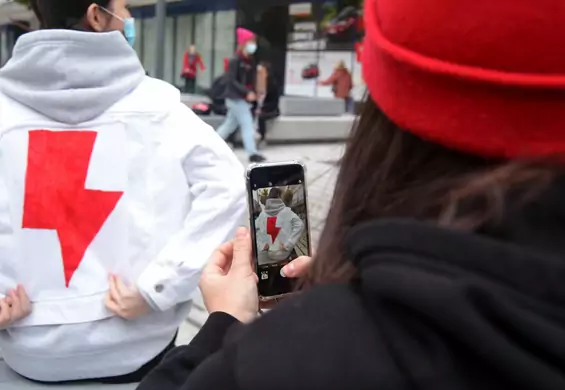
95 20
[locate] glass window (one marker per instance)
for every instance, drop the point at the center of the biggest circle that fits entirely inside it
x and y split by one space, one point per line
169 40
203 41
184 39
137 44
224 44
149 33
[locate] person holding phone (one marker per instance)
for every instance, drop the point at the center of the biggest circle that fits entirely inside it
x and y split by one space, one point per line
111 193
442 261
240 94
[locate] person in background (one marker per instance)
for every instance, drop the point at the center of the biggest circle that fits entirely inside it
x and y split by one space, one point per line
268 94
192 62
442 261
342 84
111 193
240 94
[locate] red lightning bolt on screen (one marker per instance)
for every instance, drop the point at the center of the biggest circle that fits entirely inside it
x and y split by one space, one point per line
272 229
55 197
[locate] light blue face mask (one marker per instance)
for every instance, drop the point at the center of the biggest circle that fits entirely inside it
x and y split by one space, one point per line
251 48
129 27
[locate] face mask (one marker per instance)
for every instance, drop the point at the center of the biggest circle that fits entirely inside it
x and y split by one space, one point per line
129 26
251 48
129 30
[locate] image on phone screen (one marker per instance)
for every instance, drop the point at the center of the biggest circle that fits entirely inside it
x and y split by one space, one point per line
280 230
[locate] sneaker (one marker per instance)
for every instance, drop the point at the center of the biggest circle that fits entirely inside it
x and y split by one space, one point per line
256 158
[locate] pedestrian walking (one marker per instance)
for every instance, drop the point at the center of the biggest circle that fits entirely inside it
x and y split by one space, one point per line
110 195
240 94
442 262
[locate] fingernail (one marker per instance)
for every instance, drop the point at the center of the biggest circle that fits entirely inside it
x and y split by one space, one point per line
287 271
241 232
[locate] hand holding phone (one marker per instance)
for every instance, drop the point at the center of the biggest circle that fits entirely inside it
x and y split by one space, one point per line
280 232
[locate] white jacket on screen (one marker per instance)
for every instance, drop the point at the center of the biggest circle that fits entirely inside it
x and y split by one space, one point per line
288 230
159 192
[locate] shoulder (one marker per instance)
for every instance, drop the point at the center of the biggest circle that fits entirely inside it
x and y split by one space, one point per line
235 60
150 96
316 335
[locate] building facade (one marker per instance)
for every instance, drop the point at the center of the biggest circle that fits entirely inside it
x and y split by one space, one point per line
303 41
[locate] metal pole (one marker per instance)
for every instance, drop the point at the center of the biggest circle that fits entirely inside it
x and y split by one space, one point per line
161 16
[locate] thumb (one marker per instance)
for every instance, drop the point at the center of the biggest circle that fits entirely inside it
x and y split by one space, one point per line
241 263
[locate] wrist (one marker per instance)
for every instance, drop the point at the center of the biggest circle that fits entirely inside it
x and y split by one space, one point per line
241 315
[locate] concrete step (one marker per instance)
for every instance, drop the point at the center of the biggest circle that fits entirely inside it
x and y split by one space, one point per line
310 106
288 129
290 105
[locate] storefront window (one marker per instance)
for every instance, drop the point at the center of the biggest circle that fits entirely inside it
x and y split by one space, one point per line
169 54
321 36
204 44
224 39
185 29
149 32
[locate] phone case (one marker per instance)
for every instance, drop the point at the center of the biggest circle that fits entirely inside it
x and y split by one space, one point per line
250 205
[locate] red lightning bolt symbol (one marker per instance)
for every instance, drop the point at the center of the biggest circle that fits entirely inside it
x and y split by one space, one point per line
272 229
55 197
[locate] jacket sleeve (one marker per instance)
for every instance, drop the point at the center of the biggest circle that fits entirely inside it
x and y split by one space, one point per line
332 79
215 370
218 204
296 232
201 63
185 64
232 80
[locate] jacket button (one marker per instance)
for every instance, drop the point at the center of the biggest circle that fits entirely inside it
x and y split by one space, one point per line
159 288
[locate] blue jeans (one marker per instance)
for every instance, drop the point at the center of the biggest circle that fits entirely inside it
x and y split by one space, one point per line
239 114
349 105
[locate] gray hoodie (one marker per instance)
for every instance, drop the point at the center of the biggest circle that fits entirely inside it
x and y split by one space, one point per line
71 76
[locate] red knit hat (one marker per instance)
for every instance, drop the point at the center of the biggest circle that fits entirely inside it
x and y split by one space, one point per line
486 77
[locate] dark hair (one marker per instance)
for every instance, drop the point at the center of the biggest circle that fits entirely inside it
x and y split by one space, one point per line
63 14
387 172
274 193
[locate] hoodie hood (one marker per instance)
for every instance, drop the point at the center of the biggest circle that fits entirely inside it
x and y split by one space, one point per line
71 76
274 206
483 308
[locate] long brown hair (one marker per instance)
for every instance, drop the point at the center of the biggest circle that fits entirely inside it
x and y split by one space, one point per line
387 172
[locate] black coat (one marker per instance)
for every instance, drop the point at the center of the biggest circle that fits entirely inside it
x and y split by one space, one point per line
240 77
431 309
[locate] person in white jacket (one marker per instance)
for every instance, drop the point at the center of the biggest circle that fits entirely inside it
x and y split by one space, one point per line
113 195
278 230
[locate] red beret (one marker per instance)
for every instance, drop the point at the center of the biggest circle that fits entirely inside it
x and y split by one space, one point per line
486 77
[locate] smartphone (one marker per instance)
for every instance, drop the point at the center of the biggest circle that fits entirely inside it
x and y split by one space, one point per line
278 208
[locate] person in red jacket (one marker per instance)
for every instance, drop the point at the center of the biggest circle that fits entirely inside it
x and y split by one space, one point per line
191 62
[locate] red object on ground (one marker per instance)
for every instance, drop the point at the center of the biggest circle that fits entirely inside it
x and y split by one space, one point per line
226 64
471 78
55 195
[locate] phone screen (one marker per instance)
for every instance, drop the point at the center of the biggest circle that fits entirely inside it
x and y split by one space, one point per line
279 223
